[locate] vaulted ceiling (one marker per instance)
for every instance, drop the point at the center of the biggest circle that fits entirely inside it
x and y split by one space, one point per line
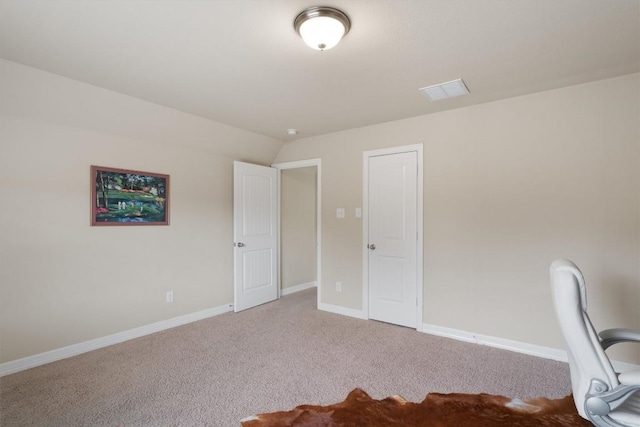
240 62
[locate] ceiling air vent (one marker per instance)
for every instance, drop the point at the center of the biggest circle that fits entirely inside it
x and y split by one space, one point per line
445 90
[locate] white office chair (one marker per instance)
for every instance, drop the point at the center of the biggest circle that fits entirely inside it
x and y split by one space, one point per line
601 395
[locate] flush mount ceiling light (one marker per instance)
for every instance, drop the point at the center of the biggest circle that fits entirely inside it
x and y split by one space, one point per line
322 27
445 90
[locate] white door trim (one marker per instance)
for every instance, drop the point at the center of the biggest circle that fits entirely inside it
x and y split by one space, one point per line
365 226
303 164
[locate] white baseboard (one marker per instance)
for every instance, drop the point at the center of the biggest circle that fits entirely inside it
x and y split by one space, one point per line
298 288
358 314
502 343
83 347
517 346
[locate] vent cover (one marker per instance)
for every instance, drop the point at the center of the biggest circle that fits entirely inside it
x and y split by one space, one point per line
445 90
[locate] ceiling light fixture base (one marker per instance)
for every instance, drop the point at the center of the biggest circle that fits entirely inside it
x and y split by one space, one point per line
322 27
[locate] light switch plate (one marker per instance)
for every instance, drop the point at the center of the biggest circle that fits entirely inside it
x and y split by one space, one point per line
340 213
358 212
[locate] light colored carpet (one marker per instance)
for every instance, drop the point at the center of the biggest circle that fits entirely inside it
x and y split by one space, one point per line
274 357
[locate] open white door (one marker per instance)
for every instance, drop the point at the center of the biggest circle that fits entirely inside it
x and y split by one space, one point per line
255 235
393 238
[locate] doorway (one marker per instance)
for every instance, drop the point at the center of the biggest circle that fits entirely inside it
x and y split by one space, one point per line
299 245
392 235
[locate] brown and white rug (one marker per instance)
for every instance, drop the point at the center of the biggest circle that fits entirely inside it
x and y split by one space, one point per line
436 410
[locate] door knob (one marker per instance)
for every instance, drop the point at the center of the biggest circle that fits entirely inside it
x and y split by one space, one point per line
372 247
240 244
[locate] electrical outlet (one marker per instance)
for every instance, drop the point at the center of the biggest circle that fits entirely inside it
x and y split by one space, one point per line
170 296
338 287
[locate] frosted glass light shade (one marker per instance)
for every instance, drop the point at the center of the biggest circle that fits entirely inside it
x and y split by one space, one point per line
322 28
321 33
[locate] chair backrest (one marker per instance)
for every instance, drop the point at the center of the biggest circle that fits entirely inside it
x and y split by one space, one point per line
587 359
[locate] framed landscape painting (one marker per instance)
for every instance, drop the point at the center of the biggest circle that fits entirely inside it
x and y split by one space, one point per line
126 197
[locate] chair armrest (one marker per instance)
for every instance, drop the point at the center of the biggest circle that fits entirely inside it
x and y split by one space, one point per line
610 337
630 378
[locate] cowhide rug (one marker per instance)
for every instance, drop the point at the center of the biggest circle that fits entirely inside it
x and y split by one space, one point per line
436 410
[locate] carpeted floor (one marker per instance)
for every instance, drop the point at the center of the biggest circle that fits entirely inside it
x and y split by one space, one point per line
217 371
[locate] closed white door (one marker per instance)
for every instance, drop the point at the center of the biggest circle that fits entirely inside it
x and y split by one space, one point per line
393 238
255 235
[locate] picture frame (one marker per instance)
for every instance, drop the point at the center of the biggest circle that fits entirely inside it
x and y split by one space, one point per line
128 197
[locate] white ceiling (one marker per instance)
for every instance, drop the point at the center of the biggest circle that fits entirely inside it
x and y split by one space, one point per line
240 62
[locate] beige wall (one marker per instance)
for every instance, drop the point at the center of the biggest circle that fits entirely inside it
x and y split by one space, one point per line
508 187
298 226
64 282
